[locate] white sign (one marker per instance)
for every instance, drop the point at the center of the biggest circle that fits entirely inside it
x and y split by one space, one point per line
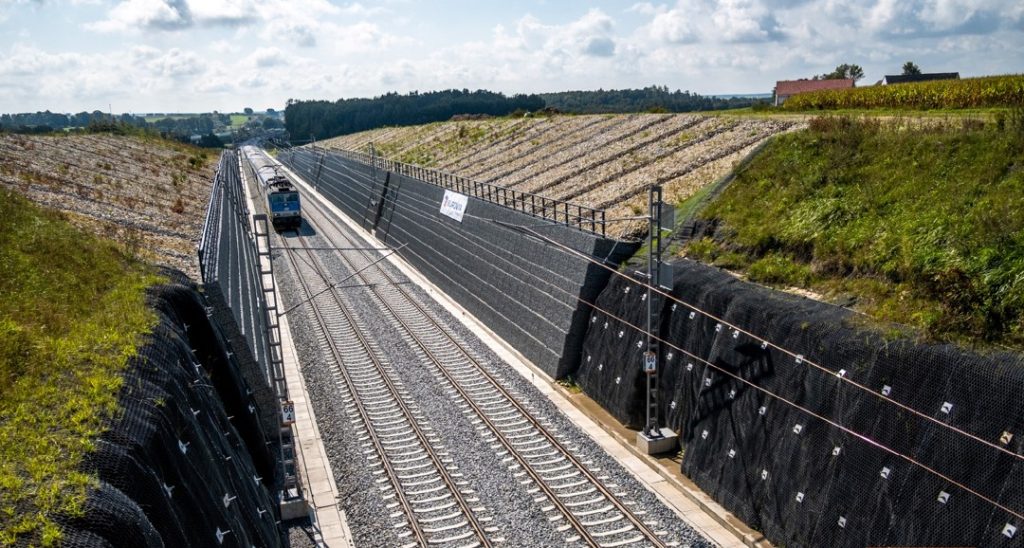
287 412
650 362
454 205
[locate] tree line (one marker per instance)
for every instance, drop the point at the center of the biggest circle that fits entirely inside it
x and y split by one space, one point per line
649 99
181 128
323 119
45 122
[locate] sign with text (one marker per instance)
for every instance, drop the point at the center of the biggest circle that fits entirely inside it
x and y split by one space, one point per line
287 413
454 205
650 362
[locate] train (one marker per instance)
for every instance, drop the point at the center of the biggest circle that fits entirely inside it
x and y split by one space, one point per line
279 195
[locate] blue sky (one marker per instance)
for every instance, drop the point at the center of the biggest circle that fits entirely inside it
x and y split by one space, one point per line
201 55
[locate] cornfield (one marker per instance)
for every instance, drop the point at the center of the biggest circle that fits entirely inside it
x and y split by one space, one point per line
988 91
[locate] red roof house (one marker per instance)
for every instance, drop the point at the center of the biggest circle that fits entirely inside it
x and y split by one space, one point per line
785 88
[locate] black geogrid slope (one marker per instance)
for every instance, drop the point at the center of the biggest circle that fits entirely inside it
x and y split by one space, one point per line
757 455
182 442
523 288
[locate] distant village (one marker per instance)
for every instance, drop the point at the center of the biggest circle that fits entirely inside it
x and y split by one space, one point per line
846 76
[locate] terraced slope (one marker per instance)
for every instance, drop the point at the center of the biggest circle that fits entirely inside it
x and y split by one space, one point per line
604 161
149 194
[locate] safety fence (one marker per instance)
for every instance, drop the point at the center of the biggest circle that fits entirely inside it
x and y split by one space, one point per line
480 261
560 211
234 263
227 257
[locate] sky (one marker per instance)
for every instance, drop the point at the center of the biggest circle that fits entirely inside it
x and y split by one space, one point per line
143 56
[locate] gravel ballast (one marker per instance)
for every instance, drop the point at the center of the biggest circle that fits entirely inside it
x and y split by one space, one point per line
518 518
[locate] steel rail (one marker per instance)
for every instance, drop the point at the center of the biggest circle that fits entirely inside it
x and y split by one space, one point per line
576 523
476 527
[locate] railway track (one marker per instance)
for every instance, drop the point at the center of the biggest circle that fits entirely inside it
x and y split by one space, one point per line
418 478
568 489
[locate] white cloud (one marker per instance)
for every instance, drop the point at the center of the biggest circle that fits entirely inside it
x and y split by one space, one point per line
728 21
745 21
223 12
136 15
646 8
673 26
356 9
222 54
225 47
302 34
145 14
176 64
267 57
592 35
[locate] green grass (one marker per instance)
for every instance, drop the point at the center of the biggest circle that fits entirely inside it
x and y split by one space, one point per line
238 120
179 116
921 225
72 313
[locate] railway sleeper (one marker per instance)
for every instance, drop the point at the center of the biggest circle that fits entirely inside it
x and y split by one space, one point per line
444 528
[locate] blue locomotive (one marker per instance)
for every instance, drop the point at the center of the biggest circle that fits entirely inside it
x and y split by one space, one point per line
281 198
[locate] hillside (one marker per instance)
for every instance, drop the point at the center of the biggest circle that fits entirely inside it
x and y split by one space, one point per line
72 313
601 161
148 194
920 224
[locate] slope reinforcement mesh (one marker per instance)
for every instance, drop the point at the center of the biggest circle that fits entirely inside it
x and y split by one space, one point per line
181 464
776 453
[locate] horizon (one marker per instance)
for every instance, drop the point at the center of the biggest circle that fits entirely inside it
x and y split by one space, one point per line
281 108
183 56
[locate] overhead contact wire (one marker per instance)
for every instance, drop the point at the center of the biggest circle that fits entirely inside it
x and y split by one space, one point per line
766 391
791 353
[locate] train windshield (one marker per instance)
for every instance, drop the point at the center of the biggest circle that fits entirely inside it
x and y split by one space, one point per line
282 198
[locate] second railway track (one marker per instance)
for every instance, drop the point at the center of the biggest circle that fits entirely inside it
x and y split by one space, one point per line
580 502
430 498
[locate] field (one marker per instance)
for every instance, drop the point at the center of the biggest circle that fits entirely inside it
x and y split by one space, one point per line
177 116
146 193
601 161
920 224
968 93
72 313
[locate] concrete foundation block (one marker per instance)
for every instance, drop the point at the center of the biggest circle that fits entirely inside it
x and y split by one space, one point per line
667 442
294 509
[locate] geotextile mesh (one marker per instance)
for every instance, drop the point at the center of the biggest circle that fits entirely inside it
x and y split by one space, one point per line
174 466
890 479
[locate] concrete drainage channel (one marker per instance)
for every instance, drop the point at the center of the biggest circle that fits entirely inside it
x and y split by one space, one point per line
563 489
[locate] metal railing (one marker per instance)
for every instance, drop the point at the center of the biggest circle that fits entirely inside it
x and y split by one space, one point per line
202 249
571 214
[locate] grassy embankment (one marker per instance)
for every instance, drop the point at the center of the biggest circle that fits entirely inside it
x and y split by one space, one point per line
920 225
72 314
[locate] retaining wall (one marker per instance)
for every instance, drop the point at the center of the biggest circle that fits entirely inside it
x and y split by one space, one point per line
794 476
523 288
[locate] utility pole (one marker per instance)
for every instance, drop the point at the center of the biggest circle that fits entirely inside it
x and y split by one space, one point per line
373 161
653 438
653 274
